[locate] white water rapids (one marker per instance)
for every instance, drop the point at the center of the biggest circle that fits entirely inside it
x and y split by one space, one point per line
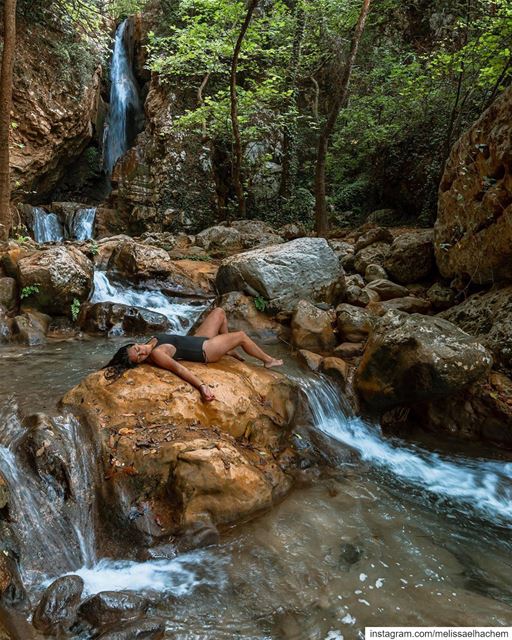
181 313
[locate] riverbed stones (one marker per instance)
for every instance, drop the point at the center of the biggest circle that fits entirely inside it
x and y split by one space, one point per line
143 263
312 328
488 317
473 230
114 319
377 234
408 304
110 607
387 290
375 253
30 327
240 235
310 359
53 278
57 609
302 269
354 323
147 629
194 461
410 358
375 272
411 257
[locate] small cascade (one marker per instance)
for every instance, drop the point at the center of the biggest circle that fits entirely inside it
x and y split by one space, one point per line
46 226
485 486
125 113
82 224
180 313
55 532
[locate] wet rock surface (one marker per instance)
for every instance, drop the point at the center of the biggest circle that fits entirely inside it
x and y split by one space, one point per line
110 607
242 315
57 610
412 357
111 318
147 629
312 328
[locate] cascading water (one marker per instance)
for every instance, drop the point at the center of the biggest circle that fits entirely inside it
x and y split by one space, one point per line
83 223
46 226
55 532
484 486
181 315
125 107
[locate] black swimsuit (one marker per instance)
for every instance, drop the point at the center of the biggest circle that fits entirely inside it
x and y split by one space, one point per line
187 347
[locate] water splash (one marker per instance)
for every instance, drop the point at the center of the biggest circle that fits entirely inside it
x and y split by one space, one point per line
46 226
83 223
125 107
56 534
181 314
179 576
483 485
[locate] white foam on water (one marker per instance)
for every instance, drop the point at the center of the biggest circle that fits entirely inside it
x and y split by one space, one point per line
485 485
182 315
179 576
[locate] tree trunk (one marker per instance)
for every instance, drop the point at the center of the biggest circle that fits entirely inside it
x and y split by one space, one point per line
321 221
5 115
237 142
290 164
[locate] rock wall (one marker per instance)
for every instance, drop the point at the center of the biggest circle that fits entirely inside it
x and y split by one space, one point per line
473 231
54 110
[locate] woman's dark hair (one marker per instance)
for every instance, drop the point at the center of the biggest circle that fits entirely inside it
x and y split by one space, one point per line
119 363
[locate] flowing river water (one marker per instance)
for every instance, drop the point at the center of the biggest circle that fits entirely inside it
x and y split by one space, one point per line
389 533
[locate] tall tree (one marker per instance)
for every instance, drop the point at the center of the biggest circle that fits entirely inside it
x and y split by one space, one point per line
237 140
5 115
340 98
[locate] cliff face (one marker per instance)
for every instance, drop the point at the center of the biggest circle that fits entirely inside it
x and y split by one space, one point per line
473 231
55 105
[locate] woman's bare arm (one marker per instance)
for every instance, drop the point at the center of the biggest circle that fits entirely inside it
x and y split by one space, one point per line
165 361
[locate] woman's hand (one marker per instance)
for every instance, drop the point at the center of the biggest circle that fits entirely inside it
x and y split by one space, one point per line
206 393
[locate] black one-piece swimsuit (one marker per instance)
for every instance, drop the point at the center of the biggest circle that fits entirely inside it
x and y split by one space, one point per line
187 347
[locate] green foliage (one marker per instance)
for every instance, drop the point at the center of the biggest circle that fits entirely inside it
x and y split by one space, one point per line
75 309
21 239
94 248
29 290
260 303
76 61
120 9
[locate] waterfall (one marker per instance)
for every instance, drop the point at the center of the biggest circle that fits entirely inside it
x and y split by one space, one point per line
55 533
483 485
46 226
125 107
181 314
83 223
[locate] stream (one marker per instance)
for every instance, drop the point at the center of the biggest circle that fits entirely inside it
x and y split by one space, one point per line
390 532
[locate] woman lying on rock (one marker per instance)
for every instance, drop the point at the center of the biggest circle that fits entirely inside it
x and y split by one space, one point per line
209 343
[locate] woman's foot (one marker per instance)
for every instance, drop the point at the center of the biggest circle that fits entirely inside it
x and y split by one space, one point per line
273 362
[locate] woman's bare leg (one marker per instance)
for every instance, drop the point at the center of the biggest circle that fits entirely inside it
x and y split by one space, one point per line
213 325
221 345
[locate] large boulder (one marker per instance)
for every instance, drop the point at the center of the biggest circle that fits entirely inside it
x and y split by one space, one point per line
221 461
410 358
112 318
312 328
375 253
488 317
56 611
283 274
473 231
54 278
139 262
411 257
241 234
